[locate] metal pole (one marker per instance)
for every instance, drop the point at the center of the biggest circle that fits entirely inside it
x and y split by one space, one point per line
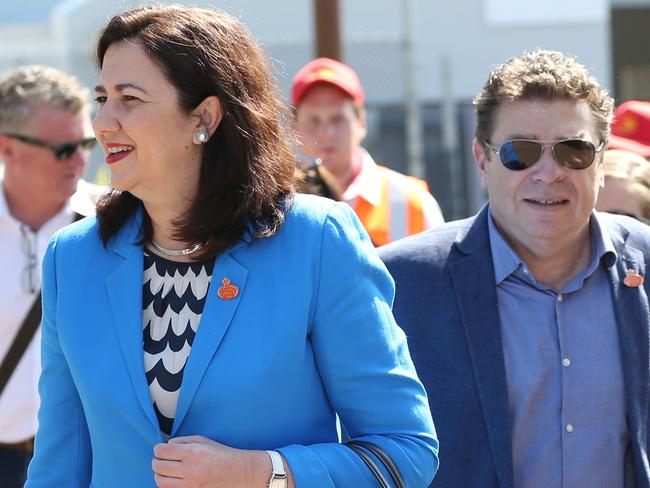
328 36
450 140
414 147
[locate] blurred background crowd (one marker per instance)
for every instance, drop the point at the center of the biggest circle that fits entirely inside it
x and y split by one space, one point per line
420 64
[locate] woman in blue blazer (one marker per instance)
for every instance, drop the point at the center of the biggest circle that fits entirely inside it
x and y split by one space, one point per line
209 327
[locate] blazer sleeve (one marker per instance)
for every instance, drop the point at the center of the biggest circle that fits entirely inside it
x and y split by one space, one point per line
365 365
62 455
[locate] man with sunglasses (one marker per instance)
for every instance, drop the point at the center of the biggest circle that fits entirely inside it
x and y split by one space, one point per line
529 323
45 139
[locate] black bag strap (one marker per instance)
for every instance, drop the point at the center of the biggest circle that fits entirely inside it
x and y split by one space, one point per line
367 460
20 342
361 448
24 336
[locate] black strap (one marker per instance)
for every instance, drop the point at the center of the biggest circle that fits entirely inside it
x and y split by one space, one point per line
361 448
367 460
20 343
24 336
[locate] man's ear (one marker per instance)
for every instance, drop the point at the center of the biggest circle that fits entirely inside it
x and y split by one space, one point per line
7 150
481 160
209 114
363 122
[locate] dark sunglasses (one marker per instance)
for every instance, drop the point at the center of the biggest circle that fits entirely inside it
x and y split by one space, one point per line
61 151
520 154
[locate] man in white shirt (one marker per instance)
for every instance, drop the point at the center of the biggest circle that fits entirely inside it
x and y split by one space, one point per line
330 122
45 139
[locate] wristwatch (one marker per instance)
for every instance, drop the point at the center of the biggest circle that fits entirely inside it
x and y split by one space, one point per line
279 475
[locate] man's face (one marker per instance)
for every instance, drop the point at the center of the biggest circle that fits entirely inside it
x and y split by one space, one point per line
36 168
330 128
546 204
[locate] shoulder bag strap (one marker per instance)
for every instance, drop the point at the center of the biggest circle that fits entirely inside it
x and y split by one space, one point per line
20 342
24 336
361 448
368 461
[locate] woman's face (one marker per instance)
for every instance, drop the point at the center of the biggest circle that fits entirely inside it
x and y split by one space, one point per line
147 139
620 196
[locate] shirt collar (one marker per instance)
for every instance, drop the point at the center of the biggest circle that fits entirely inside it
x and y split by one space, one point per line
506 261
367 184
62 217
602 246
4 206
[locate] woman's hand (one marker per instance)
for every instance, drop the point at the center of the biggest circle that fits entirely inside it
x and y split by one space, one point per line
198 462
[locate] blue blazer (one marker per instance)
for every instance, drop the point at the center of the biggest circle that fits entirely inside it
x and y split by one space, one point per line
309 335
446 302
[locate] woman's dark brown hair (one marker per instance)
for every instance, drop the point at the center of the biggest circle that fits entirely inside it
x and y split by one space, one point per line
248 164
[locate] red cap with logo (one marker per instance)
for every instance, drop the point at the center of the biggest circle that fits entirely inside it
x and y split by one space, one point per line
631 128
330 72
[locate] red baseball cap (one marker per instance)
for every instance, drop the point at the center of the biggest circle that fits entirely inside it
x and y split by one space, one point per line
631 128
326 71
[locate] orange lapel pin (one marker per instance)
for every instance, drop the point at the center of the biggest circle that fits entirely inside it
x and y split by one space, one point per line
227 291
633 279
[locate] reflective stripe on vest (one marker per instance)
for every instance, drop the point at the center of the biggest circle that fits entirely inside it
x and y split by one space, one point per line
399 212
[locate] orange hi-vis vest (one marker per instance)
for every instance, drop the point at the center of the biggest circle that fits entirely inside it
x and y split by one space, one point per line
399 212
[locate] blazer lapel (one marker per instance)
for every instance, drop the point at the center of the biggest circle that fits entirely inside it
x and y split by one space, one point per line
472 276
217 315
124 287
633 322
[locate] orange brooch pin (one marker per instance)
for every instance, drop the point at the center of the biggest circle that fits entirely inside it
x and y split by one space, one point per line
227 291
633 279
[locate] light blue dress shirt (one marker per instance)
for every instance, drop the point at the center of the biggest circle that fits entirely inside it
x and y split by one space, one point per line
563 370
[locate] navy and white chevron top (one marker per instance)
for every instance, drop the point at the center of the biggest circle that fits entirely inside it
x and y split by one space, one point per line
173 295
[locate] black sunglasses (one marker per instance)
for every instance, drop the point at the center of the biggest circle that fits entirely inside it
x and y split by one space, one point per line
61 151
520 154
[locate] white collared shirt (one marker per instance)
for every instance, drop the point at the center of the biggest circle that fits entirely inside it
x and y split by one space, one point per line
19 401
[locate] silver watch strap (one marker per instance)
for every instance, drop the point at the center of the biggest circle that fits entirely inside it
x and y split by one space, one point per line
279 475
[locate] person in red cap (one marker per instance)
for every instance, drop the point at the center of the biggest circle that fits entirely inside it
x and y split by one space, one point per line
330 122
631 128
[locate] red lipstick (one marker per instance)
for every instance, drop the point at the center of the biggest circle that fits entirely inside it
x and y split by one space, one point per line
123 150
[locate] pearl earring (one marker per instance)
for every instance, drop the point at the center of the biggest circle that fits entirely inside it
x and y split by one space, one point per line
202 136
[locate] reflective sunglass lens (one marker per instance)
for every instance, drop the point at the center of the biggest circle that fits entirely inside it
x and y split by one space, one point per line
575 154
519 155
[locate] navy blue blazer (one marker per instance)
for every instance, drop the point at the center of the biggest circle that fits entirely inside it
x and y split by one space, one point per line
446 302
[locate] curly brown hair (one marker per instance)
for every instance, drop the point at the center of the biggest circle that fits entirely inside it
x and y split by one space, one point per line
248 164
545 75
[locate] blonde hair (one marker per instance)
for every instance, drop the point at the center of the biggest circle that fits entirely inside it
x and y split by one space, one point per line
28 88
632 167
